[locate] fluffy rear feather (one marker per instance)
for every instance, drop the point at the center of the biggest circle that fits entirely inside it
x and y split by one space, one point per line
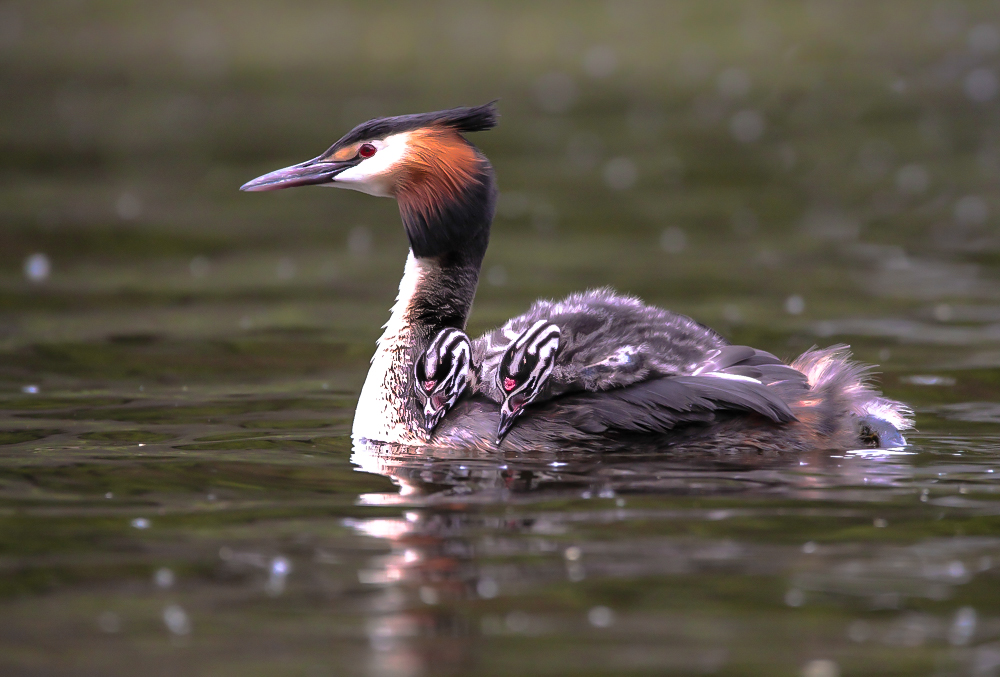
840 383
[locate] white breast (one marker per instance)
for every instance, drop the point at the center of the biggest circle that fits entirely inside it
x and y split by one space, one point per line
382 415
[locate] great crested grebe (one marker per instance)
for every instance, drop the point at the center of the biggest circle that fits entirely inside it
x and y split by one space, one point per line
693 387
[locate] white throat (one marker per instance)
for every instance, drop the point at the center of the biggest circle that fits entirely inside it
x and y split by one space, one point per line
382 415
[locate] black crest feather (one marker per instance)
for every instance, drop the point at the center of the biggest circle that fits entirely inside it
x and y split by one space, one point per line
463 119
471 119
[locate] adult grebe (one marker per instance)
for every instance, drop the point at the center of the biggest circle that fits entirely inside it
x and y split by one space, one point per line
715 394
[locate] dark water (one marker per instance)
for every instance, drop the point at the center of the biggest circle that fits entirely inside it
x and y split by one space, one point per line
178 491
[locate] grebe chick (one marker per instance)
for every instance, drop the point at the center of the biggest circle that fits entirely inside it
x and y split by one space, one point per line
593 341
446 190
524 371
441 374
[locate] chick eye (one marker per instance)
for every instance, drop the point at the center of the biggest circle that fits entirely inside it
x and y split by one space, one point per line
509 383
366 150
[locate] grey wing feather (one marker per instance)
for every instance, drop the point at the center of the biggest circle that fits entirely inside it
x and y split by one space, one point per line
663 404
752 363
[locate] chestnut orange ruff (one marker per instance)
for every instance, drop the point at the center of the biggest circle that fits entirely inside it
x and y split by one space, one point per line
437 171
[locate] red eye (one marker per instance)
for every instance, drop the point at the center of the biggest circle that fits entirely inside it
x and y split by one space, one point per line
429 385
366 150
509 384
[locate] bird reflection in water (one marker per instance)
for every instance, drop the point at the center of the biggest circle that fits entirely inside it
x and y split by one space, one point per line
477 539
478 476
417 624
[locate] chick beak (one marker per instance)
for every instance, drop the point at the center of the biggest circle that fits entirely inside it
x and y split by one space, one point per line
506 422
432 415
309 173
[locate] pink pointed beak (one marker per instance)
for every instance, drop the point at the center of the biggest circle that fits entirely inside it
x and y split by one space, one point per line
310 173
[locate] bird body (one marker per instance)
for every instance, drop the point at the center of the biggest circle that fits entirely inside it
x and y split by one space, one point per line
620 371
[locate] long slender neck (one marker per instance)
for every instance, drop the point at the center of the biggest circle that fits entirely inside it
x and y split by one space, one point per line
438 286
